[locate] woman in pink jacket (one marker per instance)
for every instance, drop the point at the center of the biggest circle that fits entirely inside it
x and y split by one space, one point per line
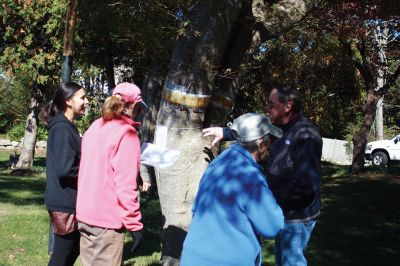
107 202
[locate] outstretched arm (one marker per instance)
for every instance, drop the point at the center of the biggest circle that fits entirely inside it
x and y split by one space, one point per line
220 133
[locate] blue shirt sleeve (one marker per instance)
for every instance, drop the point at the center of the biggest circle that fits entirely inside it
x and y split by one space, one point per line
263 211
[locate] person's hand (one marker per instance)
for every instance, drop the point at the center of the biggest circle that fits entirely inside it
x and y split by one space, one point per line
146 186
137 237
217 132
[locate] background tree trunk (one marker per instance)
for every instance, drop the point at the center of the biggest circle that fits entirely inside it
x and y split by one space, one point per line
360 139
376 84
380 38
110 74
66 67
379 119
25 160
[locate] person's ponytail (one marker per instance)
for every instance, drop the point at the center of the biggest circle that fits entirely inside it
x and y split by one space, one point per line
113 107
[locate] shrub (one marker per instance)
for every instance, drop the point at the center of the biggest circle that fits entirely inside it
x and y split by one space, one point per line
16 132
5 122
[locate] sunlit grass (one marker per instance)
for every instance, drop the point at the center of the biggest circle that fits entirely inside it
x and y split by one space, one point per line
24 222
359 222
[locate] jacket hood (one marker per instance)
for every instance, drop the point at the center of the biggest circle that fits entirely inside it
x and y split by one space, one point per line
59 118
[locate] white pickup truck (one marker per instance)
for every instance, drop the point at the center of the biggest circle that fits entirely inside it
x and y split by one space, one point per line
381 152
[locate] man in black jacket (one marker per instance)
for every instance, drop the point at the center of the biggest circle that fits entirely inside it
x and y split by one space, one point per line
293 172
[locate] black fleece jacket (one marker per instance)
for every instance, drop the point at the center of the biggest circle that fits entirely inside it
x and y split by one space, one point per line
62 164
293 170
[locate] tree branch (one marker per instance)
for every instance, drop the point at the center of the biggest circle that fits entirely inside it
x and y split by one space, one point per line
283 14
389 82
359 65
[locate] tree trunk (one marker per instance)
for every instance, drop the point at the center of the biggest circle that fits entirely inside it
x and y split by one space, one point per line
186 93
380 38
110 74
360 139
25 160
66 67
151 95
377 86
379 119
236 63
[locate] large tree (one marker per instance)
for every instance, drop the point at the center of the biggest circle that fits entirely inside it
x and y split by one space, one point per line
30 44
207 46
363 28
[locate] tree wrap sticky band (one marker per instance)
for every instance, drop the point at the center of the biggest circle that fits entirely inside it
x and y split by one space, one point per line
175 94
221 101
187 99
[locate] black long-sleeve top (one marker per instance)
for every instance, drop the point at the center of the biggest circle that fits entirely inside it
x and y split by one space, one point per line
62 164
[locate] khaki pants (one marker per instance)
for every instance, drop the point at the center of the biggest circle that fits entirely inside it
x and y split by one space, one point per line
100 246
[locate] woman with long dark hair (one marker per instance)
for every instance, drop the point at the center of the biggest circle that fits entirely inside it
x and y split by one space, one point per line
62 164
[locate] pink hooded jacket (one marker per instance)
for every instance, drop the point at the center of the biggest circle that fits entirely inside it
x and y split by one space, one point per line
107 187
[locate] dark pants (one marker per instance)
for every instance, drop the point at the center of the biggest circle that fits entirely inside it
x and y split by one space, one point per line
66 249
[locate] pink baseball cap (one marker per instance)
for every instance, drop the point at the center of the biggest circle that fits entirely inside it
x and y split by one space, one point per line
129 92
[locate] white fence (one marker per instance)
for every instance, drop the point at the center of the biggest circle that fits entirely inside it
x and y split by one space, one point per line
334 150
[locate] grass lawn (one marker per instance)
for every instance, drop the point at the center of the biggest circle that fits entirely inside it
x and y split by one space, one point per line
359 222
360 219
24 222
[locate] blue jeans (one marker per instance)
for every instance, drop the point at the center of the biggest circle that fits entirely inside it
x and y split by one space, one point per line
291 243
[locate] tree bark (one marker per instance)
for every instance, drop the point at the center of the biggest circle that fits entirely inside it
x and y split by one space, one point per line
236 63
195 61
360 139
110 73
281 15
380 39
25 160
66 66
151 95
379 119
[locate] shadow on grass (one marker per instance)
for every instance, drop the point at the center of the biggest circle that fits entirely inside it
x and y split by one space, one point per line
14 189
22 189
152 221
359 222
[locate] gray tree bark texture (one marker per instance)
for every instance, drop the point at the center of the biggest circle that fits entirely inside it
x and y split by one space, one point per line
25 160
380 39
